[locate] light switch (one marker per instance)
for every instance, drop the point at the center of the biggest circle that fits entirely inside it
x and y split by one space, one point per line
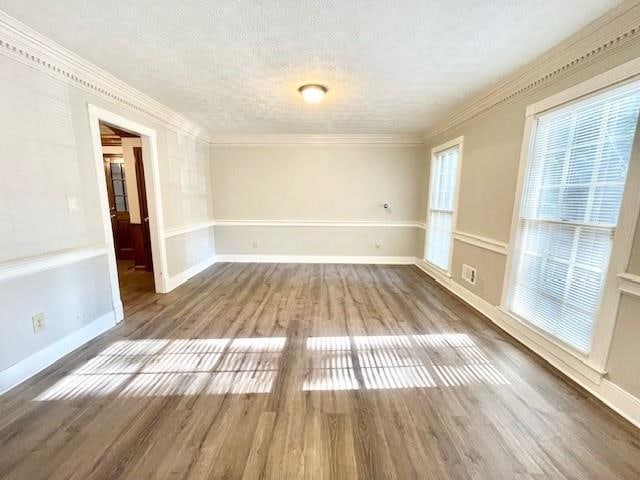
72 203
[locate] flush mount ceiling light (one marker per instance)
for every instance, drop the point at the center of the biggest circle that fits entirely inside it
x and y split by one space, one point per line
312 93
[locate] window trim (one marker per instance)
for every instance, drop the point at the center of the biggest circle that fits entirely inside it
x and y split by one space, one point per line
606 317
459 142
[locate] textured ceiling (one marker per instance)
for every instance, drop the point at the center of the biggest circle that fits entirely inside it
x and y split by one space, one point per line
235 66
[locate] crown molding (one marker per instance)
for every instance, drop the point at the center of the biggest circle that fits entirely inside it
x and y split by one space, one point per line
613 31
20 42
316 139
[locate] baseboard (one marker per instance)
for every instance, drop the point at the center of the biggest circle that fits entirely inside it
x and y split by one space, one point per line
118 311
584 375
40 360
620 401
179 279
345 259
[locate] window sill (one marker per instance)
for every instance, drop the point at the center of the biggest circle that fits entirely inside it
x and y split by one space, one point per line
551 349
435 270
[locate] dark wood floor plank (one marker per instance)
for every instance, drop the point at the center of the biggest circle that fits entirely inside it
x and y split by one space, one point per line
278 371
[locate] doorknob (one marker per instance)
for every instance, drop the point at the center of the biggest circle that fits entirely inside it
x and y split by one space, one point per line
113 215
146 219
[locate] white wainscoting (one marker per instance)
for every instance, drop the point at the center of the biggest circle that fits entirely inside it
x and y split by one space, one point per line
40 360
341 259
177 280
173 282
585 375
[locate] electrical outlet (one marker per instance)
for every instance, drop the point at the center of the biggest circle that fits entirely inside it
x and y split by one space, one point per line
255 244
469 274
38 322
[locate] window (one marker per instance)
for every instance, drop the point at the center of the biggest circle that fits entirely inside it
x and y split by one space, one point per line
118 183
569 210
445 162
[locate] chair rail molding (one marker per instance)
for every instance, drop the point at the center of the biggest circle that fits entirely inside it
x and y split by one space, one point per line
629 283
175 231
22 43
615 30
318 223
485 243
40 263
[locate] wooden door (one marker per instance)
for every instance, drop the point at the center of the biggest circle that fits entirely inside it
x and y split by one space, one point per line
143 251
119 206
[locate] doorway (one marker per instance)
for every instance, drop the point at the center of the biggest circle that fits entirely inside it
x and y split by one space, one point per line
128 212
126 160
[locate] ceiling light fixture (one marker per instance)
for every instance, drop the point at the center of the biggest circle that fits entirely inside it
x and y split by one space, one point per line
312 93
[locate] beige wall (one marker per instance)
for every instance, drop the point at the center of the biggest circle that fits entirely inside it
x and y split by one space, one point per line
185 180
489 267
624 359
492 145
189 249
634 261
349 241
49 195
318 183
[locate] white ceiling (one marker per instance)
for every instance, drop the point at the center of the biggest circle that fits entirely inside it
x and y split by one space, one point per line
235 66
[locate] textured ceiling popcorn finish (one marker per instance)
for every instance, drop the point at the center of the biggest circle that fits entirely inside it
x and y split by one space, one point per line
235 67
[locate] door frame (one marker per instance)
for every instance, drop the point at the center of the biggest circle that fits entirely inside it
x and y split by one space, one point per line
149 141
111 196
144 207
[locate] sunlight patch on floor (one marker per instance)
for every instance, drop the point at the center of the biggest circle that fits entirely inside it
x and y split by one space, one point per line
220 366
380 362
164 367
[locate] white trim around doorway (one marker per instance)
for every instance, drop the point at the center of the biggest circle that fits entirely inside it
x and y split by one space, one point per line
149 142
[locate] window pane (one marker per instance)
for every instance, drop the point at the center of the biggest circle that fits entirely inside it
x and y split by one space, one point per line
570 206
118 187
121 203
116 170
442 196
439 238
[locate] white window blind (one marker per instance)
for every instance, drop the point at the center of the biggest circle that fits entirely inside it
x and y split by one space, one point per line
569 212
444 173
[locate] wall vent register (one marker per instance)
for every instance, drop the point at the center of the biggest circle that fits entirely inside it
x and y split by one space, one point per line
469 274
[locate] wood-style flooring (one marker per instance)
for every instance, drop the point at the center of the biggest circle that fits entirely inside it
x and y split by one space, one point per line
307 372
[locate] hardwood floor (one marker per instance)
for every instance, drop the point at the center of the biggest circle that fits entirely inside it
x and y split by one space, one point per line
307 371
